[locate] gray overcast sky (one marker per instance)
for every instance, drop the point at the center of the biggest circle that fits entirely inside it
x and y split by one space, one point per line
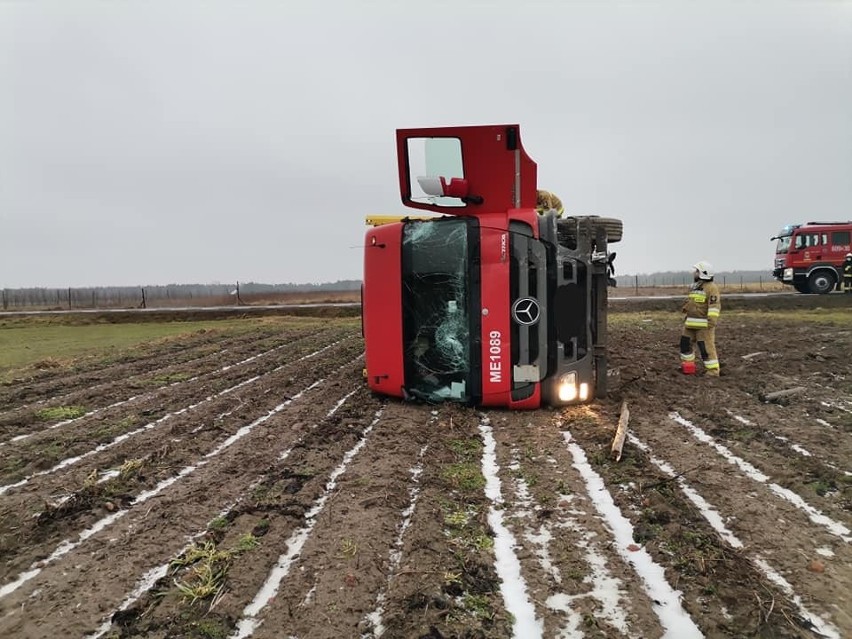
151 143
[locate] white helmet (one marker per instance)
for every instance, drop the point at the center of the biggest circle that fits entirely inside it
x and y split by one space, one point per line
705 270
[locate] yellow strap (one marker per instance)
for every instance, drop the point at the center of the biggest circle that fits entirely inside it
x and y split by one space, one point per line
379 220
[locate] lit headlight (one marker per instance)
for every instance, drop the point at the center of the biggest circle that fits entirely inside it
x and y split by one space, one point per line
568 387
788 274
570 391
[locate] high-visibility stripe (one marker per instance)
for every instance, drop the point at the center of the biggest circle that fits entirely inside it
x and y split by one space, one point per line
713 312
696 322
710 364
687 357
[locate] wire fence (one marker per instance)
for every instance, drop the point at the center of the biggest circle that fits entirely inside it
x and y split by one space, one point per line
174 295
729 283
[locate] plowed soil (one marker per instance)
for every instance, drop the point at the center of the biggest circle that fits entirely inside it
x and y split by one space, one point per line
252 486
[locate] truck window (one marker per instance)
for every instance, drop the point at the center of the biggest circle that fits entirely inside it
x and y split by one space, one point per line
840 238
807 240
436 316
436 158
783 244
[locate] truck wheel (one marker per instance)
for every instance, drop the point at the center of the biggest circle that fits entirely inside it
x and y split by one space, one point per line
567 228
821 282
802 287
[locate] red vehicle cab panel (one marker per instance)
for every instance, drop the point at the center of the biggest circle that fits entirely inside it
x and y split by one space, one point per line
381 301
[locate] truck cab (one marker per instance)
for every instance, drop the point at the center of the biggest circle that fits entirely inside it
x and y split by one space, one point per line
809 256
480 298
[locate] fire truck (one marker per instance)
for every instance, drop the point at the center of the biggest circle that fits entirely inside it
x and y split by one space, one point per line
479 298
810 256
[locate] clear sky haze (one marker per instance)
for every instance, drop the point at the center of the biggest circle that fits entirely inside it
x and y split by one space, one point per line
197 142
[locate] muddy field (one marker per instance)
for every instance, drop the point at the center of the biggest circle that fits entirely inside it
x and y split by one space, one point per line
251 486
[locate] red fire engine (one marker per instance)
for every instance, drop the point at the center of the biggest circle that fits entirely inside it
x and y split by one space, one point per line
810 256
488 302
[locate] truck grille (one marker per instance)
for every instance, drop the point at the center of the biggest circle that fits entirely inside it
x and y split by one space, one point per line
527 279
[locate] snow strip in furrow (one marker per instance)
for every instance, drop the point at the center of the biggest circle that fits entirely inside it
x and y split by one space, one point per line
606 589
65 463
834 527
794 447
65 422
376 617
512 584
147 581
250 619
67 546
60 398
114 473
21 438
715 520
677 624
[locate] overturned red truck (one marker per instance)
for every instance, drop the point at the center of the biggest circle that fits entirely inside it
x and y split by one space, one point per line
486 301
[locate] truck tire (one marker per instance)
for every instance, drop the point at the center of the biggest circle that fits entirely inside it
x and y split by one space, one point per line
567 228
802 287
821 282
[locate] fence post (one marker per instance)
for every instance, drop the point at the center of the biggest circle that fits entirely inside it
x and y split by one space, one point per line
742 286
5 299
69 297
761 282
144 304
636 284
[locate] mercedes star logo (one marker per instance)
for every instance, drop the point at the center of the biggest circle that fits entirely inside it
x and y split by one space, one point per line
526 311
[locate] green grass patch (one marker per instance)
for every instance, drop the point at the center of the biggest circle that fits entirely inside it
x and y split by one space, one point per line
211 629
245 543
464 476
109 430
466 448
219 524
170 378
59 413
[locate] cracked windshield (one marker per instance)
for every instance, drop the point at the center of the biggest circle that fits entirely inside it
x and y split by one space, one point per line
435 298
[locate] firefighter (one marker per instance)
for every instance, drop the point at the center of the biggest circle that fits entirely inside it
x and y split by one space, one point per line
701 313
545 201
847 273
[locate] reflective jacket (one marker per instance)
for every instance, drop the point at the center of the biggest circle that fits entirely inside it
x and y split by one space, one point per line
703 306
847 268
